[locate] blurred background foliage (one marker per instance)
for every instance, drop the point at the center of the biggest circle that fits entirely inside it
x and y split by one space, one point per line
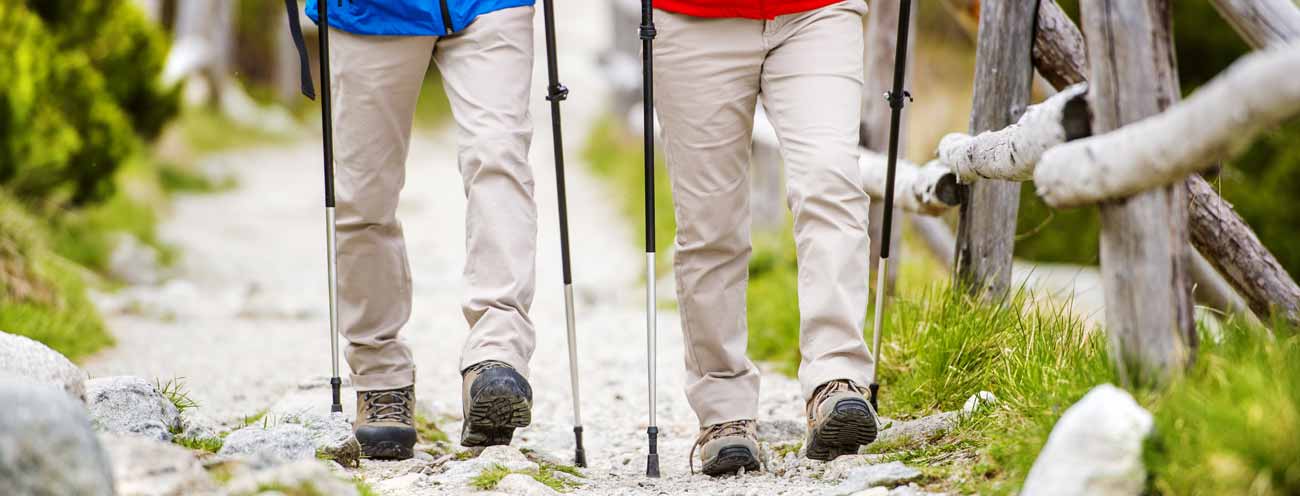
1260 183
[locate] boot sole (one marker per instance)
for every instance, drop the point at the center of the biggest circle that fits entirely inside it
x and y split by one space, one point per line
387 450
730 460
849 426
493 417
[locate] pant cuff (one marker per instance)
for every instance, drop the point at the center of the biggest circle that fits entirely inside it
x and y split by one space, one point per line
381 382
485 353
717 401
825 370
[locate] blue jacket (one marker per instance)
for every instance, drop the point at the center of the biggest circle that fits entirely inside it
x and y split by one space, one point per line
408 17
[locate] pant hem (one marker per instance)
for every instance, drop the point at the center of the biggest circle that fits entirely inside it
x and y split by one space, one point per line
381 382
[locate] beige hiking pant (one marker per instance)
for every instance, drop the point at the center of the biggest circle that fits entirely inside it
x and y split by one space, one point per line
709 74
487 73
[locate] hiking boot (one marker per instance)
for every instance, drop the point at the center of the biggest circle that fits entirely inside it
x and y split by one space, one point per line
839 420
496 400
384 424
727 447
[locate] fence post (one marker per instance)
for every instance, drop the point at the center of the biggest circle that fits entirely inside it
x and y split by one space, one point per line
1144 253
1003 77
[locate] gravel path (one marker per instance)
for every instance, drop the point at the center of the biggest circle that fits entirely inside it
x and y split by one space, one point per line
243 320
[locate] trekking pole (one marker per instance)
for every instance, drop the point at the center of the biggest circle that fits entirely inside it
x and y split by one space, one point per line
555 93
327 134
896 98
647 33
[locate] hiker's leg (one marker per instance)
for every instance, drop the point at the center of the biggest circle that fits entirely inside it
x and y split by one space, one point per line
812 90
706 77
487 73
376 81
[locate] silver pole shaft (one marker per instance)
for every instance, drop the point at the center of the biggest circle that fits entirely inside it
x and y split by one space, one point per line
880 314
333 269
573 354
652 332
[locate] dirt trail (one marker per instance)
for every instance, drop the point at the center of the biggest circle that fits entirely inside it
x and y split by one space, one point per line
244 319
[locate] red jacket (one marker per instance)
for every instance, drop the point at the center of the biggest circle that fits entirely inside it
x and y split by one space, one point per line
751 9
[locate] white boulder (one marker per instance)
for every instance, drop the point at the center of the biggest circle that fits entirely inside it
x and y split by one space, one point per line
1094 449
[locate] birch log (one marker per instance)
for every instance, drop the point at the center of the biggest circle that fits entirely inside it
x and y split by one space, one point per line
1003 73
1261 22
1059 51
1144 247
1255 94
1240 256
1219 233
927 190
1012 152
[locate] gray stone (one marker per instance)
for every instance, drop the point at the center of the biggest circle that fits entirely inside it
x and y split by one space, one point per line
920 430
47 445
840 467
304 476
979 401
148 467
129 404
263 448
868 476
459 473
524 485
1094 449
31 360
198 426
331 434
778 431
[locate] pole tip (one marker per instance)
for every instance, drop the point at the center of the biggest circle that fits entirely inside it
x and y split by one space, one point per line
652 460
579 454
875 390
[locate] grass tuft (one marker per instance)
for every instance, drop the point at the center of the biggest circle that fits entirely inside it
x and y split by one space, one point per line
489 477
175 392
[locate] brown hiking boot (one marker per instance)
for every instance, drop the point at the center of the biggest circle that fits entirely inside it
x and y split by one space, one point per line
496 400
384 426
839 420
727 447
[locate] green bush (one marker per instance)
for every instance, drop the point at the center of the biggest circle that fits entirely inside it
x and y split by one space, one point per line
74 98
124 47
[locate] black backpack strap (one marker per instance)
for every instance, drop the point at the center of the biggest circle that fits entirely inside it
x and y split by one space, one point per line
295 30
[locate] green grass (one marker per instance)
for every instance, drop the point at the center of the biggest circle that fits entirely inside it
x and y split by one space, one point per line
428 430
206 131
211 445
42 295
364 488
490 477
616 156
1232 426
68 323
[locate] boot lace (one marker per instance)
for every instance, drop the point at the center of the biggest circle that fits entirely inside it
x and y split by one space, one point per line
389 406
741 428
830 388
